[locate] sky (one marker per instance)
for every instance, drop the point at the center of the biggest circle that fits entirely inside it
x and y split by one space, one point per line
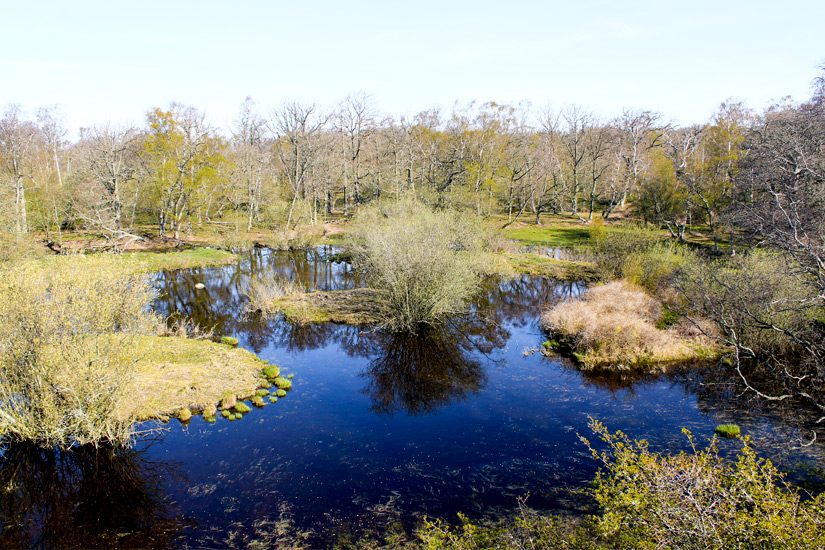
113 61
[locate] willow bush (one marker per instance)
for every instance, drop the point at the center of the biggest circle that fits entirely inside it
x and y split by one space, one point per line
424 263
67 352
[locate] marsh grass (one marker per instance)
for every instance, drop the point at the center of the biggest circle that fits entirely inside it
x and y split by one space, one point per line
263 295
615 325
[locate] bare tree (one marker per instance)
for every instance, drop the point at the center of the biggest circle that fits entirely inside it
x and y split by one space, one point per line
18 144
638 132
298 131
252 157
110 163
355 123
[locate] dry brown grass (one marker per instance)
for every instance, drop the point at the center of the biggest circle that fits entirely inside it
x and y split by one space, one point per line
614 326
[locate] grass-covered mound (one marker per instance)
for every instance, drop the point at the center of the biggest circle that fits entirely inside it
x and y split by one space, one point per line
172 373
615 326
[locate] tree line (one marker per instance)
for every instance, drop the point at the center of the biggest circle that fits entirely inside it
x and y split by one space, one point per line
300 164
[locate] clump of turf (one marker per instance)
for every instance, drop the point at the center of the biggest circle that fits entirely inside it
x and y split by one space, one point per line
729 431
273 399
257 400
242 408
226 414
280 393
282 383
229 340
272 371
184 415
613 326
228 401
262 392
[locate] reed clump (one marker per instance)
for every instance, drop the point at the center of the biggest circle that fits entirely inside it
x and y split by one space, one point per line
263 294
615 326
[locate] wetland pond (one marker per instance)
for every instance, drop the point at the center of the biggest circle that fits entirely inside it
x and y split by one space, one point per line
378 430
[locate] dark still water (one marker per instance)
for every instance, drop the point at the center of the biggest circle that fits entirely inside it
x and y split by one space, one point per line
378 429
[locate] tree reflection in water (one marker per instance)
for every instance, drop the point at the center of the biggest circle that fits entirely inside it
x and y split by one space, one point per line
418 374
83 498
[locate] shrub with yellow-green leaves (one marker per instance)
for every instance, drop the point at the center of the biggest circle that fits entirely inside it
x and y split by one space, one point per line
687 501
67 332
699 499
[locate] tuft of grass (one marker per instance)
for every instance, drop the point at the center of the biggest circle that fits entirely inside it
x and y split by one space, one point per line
257 400
614 325
229 340
282 383
263 295
728 430
185 414
242 408
271 371
280 393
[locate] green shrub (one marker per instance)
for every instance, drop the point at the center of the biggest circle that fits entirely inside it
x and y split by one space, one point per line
635 253
423 263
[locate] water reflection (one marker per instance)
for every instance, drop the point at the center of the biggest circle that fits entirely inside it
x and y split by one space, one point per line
84 498
220 304
418 374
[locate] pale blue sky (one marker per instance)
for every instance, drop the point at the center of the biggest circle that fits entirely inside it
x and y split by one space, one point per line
113 61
